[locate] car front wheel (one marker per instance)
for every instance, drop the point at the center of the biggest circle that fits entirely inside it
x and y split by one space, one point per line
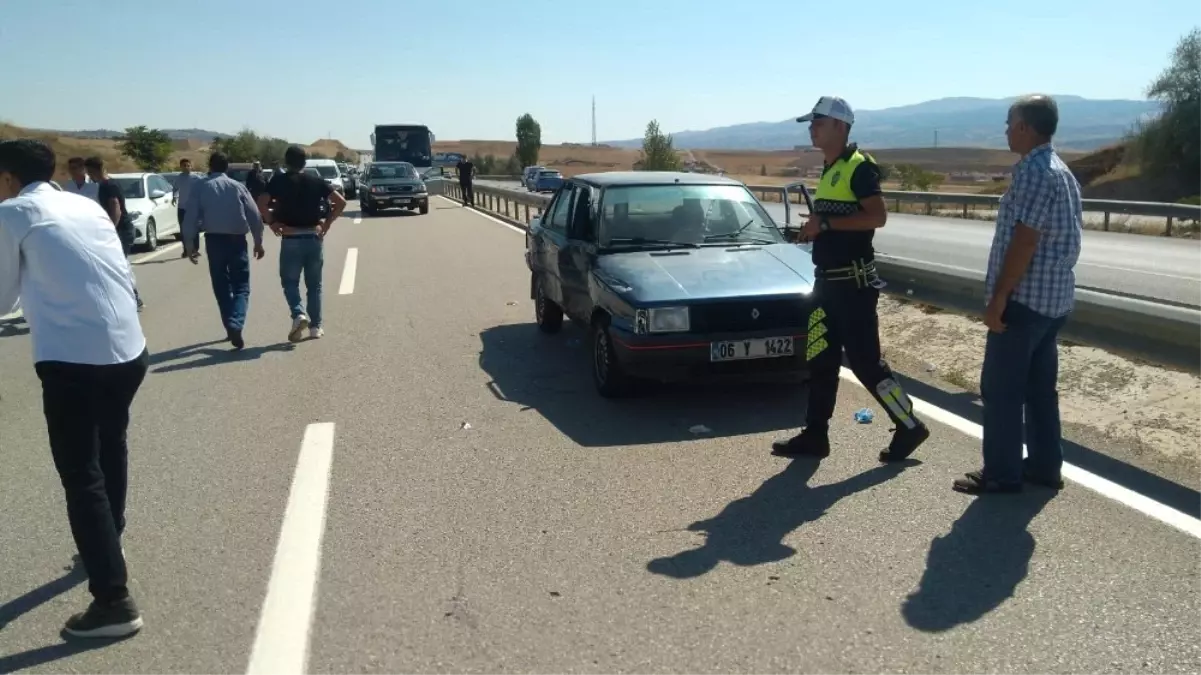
548 314
151 235
607 374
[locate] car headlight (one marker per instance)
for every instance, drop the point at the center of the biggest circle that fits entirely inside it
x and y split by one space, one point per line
663 320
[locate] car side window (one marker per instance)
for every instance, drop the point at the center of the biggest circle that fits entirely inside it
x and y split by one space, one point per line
583 226
159 183
562 208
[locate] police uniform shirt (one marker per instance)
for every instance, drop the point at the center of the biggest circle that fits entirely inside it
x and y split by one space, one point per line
833 248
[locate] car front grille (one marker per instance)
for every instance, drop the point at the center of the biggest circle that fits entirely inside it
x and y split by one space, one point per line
398 189
744 315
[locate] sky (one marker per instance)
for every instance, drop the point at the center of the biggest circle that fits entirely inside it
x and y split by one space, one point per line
303 69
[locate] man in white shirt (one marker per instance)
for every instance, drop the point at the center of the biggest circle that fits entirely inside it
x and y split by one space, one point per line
79 182
62 256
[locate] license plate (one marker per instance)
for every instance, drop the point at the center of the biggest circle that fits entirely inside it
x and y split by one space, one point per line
753 348
400 201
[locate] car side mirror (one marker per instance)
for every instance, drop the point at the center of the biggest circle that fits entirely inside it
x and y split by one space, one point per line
536 221
157 194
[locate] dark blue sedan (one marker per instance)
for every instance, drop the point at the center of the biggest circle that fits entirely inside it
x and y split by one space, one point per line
547 180
676 276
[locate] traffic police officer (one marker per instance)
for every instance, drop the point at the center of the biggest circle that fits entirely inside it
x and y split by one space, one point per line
847 210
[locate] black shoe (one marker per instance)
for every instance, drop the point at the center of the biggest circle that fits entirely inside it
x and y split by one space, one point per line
904 442
117 619
973 483
235 338
805 444
1035 479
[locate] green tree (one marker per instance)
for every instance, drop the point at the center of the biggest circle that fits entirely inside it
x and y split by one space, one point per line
149 148
657 151
916 178
247 146
512 166
529 140
1170 144
341 157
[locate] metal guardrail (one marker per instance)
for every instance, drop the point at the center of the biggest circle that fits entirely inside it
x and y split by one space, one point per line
1157 333
1171 213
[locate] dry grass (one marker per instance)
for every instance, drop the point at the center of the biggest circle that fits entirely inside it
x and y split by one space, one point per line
780 166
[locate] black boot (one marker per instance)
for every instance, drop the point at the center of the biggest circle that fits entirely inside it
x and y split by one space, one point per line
811 442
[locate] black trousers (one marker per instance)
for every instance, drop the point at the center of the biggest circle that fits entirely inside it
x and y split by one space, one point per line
468 193
846 320
87 417
180 212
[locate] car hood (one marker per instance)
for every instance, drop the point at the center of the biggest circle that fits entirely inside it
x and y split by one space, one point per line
392 181
712 272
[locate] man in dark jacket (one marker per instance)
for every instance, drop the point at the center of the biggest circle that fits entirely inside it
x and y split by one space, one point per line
466 174
112 200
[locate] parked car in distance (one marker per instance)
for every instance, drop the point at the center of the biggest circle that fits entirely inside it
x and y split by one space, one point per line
676 277
547 180
392 185
148 200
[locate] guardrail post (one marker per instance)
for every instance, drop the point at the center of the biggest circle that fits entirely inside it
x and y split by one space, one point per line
527 213
1105 222
965 210
1168 231
929 207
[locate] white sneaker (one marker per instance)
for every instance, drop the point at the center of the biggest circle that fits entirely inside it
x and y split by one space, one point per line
316 332
298 325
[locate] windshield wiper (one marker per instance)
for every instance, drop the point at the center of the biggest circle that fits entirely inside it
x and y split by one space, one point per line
639 241
735 234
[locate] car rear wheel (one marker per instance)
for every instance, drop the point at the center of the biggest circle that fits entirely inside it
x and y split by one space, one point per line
548 314
607 374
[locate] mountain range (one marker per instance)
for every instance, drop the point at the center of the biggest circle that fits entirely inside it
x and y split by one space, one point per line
1084 124
175 134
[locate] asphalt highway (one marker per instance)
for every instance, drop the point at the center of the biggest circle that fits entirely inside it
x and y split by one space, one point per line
1154 268
465 502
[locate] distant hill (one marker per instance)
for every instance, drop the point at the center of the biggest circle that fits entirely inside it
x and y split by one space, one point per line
1085 124
202 135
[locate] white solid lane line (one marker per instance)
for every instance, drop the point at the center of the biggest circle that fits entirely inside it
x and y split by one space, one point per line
348 272
281 643
1107 488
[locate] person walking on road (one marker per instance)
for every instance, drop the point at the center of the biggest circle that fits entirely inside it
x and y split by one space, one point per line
1030 289
466 175
301 219
179 197
847 210
63 258
79 182
255 182
112 199
228 213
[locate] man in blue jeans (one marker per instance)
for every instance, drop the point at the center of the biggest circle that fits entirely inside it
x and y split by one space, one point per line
227 212
301 217
1031 288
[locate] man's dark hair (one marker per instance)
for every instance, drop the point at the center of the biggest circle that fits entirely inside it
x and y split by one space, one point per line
295 157
185 160
1038 111
218 162
75 161
94 162
28 159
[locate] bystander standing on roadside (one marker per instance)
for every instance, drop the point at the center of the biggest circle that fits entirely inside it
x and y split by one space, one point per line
466 172
228 213
63 258
79 182
112 200
179 197
1030 289
300 218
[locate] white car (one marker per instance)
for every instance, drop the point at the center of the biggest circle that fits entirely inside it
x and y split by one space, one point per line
328 170
148 200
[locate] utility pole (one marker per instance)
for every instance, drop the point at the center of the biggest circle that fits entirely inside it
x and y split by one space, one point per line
594 121
936 138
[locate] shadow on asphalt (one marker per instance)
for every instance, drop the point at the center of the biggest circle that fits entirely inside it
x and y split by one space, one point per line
549 375
1167 492
212 355
73 576
386 213
751 530
976 566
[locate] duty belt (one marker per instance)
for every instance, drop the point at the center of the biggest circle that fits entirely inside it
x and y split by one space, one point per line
862 272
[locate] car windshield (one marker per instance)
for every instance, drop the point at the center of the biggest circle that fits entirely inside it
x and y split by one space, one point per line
327 171
688 214
392 171
548 174
132 188
239 175
312 171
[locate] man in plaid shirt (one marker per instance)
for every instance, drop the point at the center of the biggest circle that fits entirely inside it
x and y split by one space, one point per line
1030 290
